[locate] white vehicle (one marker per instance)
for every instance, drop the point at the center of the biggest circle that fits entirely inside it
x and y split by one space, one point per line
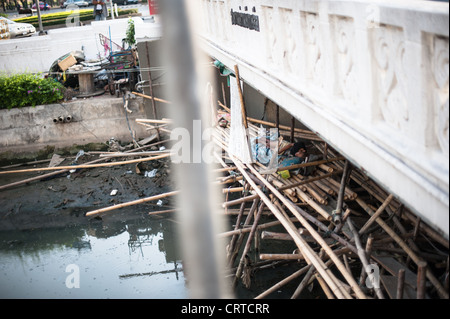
81 3
17 29
66 3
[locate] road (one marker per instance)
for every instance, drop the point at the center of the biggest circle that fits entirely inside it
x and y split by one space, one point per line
142 8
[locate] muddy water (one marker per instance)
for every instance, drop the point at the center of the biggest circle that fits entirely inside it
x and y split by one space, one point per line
135 259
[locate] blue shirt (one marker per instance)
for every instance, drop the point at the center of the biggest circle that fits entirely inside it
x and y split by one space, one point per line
292 160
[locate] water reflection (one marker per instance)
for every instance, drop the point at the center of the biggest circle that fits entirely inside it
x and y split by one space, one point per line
134 259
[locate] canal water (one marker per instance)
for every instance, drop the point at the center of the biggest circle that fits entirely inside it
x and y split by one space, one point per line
134 259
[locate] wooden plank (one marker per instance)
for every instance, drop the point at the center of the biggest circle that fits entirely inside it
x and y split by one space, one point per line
390 285
393 266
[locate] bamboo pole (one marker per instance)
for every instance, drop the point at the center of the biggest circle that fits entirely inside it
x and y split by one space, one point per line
87 166
247 230
421 279
376 215
233 252
314 205
152 98
325 188
324 286
238 223
307 164
368 252
239 200
241 96
288 279
363 258
320 195
304 283
280 256
400 283
123 154
277 236
340 200
309 180
155 121
135 202
164 211
313 233
247 245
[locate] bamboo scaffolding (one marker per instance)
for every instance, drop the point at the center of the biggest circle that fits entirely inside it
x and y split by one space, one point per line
417 260
305 250
313 233
328 185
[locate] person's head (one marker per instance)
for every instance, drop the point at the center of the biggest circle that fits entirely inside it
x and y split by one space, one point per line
298 149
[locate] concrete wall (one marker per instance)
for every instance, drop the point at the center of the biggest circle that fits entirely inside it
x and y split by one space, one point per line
94 120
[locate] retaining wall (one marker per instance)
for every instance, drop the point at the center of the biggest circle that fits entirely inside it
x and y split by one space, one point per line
28 130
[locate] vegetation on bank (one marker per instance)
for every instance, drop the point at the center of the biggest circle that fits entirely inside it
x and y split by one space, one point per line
28 89
62 17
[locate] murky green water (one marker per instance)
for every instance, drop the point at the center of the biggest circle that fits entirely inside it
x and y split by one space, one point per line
135 259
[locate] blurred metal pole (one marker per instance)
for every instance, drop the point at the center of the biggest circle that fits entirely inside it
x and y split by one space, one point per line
38 10
203 257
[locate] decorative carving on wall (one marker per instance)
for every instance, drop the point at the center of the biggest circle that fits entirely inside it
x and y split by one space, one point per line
390 75
314 60
290 47
347 84
271 35
440 70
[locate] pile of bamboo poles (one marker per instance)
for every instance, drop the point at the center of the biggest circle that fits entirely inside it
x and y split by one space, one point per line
342 223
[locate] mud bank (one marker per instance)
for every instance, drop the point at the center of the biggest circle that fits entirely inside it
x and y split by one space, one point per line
64 199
